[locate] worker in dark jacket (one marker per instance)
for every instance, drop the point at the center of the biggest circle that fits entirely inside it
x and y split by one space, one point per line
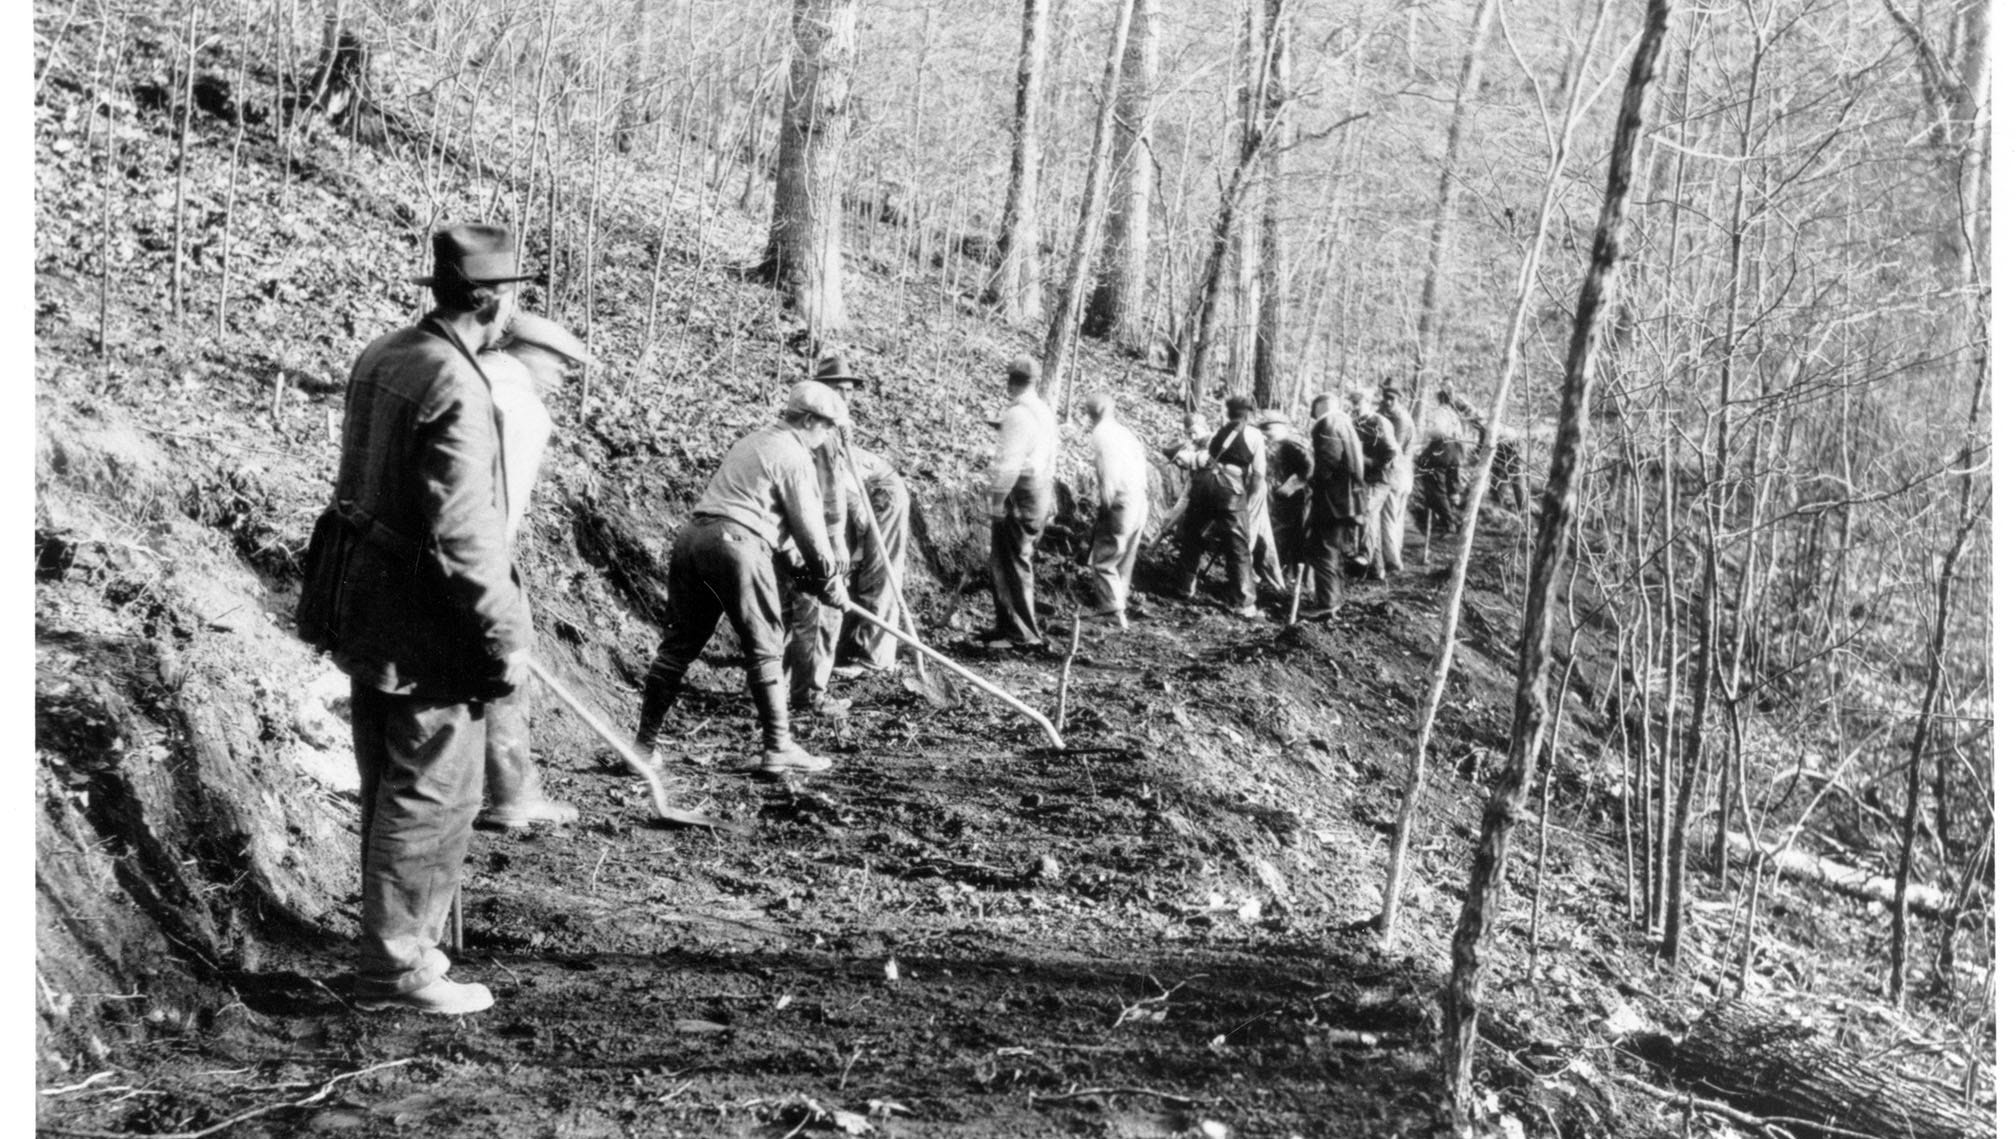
1336 501
724 564
1508 468
431 623
1235 463
1444 454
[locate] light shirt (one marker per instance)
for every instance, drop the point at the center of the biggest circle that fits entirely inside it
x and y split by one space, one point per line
1026 445
766 483
1120 463
525 428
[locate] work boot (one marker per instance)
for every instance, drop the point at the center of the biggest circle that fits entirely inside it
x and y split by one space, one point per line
517 800
780 755
440 997
661 688
789 759
820 704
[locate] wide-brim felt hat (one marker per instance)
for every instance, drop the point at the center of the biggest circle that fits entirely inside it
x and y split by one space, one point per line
476 254
832 369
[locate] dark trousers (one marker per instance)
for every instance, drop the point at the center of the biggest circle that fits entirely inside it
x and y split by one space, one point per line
720 568
1013 561
1331 539
1442 485
1225 511
420 775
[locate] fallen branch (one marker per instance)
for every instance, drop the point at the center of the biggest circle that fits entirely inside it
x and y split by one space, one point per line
1694 1102
1840 877
81 1085
1090 1093
235 1120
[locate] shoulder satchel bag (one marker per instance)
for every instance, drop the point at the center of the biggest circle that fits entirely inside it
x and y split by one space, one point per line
323 570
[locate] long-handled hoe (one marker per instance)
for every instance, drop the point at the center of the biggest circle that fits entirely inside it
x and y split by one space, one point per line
667 813
1042 721
927 681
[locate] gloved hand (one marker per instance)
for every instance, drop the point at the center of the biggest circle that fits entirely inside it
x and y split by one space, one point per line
517 668
832 593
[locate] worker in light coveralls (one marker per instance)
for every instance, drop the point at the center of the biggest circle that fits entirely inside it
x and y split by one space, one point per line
724 564
529 363
432 625
1120 468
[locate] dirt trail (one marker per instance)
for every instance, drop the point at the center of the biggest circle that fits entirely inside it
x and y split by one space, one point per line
954 932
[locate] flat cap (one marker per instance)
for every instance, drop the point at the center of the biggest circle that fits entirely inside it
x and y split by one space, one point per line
818 399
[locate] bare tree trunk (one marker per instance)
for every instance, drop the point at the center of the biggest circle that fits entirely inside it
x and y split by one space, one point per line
635 112
1508 800
1427 328
177 269
1118 307
1017 283
1064 320
231 189
803 257
1253 140
1272 108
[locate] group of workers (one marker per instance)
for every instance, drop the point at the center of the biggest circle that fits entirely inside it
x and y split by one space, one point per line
799 539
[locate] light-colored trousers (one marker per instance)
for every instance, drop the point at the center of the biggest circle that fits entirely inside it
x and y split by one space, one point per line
1116 542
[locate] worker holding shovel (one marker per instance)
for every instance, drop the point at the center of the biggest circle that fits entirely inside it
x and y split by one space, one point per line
534 356
724 564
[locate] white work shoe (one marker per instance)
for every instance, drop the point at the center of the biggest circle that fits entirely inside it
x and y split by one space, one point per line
441 997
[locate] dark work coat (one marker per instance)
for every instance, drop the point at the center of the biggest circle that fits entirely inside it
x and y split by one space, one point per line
1337 486
431 605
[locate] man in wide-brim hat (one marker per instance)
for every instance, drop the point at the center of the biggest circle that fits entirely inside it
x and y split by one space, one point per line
430 622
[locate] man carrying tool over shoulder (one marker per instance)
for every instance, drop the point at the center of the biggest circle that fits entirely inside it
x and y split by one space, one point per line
724 563
1021 495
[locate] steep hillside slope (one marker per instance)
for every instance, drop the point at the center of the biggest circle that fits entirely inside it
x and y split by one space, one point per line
956 932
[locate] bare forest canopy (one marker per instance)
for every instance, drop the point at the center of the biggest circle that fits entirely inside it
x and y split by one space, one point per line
1776 526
